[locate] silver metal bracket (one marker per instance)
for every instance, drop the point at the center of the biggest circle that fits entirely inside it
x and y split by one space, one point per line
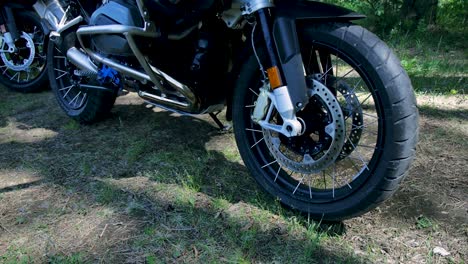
8 41
239 8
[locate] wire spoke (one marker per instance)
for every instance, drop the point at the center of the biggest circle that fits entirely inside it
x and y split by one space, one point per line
369 115
60 70
299 184
356 127
82 100
61 76
74 98
257 142
64 88
269 164
365 146
254 130
365 100
353 164
253 91
347 183
310 188
14 76
277 174
359 153
71 86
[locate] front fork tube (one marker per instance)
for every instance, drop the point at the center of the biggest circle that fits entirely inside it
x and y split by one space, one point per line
285 73
8 29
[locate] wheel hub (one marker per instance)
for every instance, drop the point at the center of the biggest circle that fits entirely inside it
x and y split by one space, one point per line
305 154
16 61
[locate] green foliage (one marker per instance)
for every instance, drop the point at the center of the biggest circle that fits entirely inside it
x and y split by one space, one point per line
75 258
453 14
385 16
423 222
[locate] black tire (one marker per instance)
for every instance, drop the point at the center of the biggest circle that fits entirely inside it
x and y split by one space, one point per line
94 105
29 22
396 128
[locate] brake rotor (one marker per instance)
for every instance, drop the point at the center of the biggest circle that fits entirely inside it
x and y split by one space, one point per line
335 130
352 110
21 64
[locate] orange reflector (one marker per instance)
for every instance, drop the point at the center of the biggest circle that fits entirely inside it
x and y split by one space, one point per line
275 77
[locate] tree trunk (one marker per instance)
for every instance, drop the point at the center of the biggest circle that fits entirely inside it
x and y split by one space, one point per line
431 14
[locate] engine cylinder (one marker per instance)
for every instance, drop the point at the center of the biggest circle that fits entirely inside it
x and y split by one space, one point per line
115 13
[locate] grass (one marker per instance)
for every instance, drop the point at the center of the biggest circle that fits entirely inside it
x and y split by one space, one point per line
173 198
162 188
436 60
423 222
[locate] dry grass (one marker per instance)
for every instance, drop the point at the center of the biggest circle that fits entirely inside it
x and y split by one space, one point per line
149 186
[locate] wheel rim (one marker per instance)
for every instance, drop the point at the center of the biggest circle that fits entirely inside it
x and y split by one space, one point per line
29 61
363 134
70 91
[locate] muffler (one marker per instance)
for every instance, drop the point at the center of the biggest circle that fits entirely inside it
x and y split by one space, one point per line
81 60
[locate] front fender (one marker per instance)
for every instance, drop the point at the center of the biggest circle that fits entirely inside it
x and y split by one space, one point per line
312 10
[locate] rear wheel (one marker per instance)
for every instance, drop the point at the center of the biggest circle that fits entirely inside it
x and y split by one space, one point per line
77 92
25 70
365 96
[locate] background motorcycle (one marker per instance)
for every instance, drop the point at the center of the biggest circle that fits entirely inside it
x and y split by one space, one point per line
23 46
324 115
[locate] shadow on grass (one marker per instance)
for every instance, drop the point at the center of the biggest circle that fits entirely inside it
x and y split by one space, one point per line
178 154
440 85
437 113
21 186
173 153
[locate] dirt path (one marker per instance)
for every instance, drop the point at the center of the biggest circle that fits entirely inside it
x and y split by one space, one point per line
149 186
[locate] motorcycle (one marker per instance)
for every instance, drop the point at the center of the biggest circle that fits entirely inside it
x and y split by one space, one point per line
323 113
23 46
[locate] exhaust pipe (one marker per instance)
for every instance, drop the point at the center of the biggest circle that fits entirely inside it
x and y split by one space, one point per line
81 60
84 63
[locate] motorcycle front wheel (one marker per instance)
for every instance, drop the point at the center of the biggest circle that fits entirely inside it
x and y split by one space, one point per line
25 70
364 78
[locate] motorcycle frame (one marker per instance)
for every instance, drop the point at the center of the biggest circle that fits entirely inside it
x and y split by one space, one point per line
153 74
277 33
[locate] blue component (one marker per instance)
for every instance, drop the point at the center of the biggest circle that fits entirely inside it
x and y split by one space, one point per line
107 75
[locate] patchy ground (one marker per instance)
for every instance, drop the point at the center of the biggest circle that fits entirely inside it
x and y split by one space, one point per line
149 186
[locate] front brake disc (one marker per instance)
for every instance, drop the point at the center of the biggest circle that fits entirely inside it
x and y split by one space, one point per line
21 65
335 129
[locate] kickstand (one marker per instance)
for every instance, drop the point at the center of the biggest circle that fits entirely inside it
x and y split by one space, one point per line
221 126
